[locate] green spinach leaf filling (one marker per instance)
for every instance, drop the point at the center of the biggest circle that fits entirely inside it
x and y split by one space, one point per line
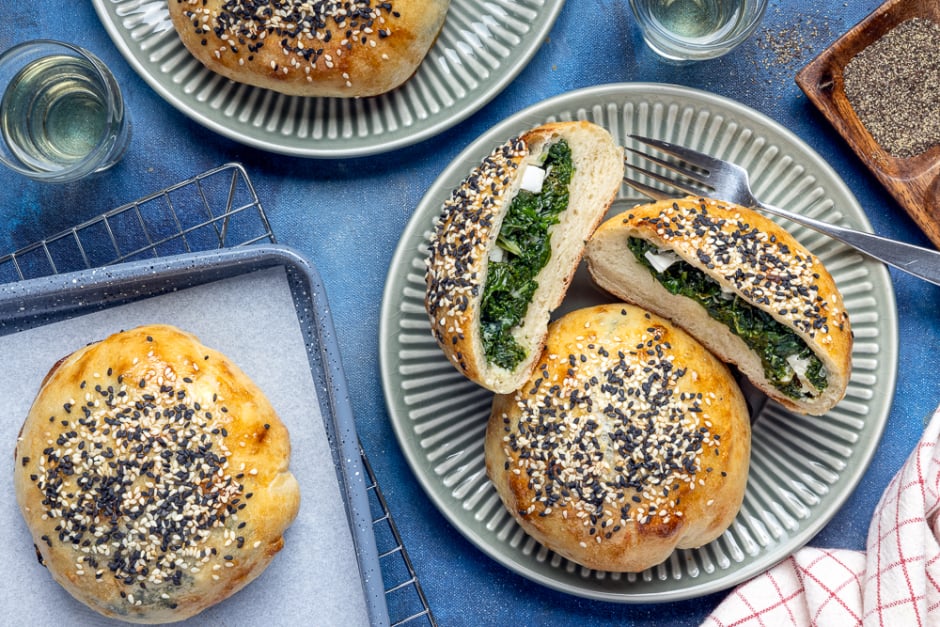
774 342
526 243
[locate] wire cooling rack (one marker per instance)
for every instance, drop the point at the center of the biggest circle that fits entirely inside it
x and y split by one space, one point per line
216 209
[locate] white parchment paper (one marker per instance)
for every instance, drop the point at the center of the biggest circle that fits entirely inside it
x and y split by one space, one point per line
251 319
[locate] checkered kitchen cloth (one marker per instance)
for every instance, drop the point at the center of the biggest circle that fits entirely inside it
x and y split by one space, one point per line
894 583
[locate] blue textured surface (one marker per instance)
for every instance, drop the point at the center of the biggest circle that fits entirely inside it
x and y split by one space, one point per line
346 217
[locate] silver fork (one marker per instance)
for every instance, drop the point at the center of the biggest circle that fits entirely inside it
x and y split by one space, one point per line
723 180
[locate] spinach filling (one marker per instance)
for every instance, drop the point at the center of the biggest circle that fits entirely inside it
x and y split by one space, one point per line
771 340
526 243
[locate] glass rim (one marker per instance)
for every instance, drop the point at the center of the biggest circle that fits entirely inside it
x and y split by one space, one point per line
695 50
30 50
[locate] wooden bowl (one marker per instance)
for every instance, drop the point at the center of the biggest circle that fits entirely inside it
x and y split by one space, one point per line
915 181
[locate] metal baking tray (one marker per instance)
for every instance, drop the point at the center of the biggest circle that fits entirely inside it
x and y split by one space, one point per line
34 303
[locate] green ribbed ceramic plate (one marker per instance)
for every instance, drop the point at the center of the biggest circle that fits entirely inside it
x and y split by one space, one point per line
483 45
802 467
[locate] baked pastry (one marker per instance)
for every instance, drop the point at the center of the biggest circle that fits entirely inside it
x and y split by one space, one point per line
742 285
630 440
331 48
508 242
153 476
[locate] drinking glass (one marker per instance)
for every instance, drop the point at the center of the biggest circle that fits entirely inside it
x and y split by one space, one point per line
693 30
62 116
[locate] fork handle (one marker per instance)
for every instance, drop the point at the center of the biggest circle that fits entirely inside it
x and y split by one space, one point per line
923 263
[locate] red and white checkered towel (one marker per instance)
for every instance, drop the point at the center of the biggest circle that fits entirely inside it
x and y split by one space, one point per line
894 583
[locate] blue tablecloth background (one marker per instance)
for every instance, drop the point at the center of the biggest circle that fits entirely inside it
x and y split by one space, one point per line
346 216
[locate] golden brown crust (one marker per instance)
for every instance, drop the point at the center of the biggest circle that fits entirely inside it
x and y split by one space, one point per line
320 48
748 255
465 236
153 476
629 441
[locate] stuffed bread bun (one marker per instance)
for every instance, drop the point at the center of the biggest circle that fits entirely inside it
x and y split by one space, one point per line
629 441
153 475
306 48
508 242
739 283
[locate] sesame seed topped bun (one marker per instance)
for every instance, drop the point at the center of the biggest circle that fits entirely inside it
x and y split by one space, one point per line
153 476
630 440
507 243
311 48
742 285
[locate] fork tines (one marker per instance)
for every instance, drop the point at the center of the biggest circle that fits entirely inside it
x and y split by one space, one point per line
683 184
689 156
